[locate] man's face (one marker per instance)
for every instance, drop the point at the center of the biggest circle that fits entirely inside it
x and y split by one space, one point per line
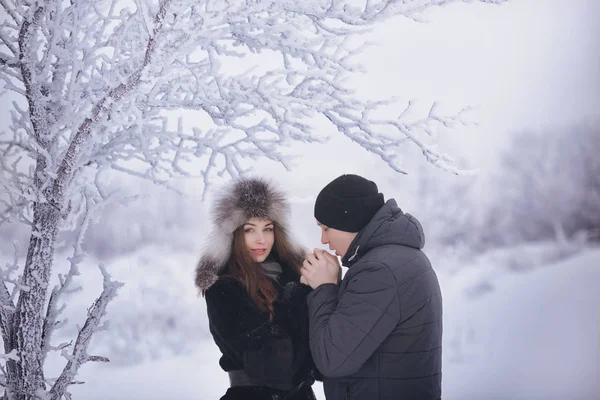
338 241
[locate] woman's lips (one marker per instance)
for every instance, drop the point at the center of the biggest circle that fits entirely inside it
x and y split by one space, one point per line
259 251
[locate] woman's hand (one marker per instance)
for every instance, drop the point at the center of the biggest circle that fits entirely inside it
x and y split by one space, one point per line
303 280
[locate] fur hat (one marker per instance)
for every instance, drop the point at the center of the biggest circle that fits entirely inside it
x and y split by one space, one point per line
238 202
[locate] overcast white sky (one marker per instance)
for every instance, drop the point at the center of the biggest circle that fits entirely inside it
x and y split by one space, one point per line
525 64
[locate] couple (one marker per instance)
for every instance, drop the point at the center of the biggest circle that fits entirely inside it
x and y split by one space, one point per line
283 318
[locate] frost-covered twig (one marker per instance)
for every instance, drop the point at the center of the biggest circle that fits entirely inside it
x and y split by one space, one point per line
7 309
7 305
6 276
90 209
10 356
103 107
64 287
10 10
372 135
79 355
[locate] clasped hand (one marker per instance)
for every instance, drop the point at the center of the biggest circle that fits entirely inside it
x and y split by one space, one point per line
320 268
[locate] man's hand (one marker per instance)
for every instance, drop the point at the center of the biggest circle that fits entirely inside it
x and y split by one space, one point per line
336 261
320 268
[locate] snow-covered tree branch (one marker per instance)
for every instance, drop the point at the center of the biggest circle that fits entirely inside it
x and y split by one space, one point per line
97 82
79 355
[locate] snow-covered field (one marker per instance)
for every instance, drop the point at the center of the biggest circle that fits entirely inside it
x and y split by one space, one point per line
533 334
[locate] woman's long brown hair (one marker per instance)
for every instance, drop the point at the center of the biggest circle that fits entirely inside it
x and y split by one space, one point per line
242 267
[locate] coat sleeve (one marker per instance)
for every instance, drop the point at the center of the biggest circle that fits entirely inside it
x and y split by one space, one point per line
345 333
264 347
291 314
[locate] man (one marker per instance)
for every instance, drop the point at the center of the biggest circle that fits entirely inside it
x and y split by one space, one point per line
377 334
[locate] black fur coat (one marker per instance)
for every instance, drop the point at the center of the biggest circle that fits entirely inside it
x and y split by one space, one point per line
275 353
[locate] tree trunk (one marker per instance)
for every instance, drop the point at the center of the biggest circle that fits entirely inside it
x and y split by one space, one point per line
26 376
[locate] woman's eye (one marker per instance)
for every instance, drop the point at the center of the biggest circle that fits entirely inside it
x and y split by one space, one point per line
248 230
269 229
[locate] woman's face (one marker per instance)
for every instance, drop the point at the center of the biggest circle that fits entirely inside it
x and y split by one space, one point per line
259 236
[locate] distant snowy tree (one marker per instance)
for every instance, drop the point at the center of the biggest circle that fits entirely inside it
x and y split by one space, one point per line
549 187
545 186
445 205
96 81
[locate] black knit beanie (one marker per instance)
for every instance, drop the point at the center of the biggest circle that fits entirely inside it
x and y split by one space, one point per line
348 203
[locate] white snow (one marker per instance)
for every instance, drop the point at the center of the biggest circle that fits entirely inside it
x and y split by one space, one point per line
535 336
530 335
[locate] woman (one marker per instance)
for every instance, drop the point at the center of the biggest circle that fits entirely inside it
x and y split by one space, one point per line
249 274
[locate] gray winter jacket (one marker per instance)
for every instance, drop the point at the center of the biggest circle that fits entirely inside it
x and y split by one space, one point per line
378 335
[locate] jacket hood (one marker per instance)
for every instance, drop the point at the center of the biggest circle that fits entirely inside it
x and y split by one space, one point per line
389 225
238 202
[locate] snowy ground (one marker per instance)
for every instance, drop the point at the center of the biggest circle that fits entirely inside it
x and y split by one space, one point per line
533 334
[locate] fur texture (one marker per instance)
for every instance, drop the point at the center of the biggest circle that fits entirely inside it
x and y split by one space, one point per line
275 352
266 393
243 199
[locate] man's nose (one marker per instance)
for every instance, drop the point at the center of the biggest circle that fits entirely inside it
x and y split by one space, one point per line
323 239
